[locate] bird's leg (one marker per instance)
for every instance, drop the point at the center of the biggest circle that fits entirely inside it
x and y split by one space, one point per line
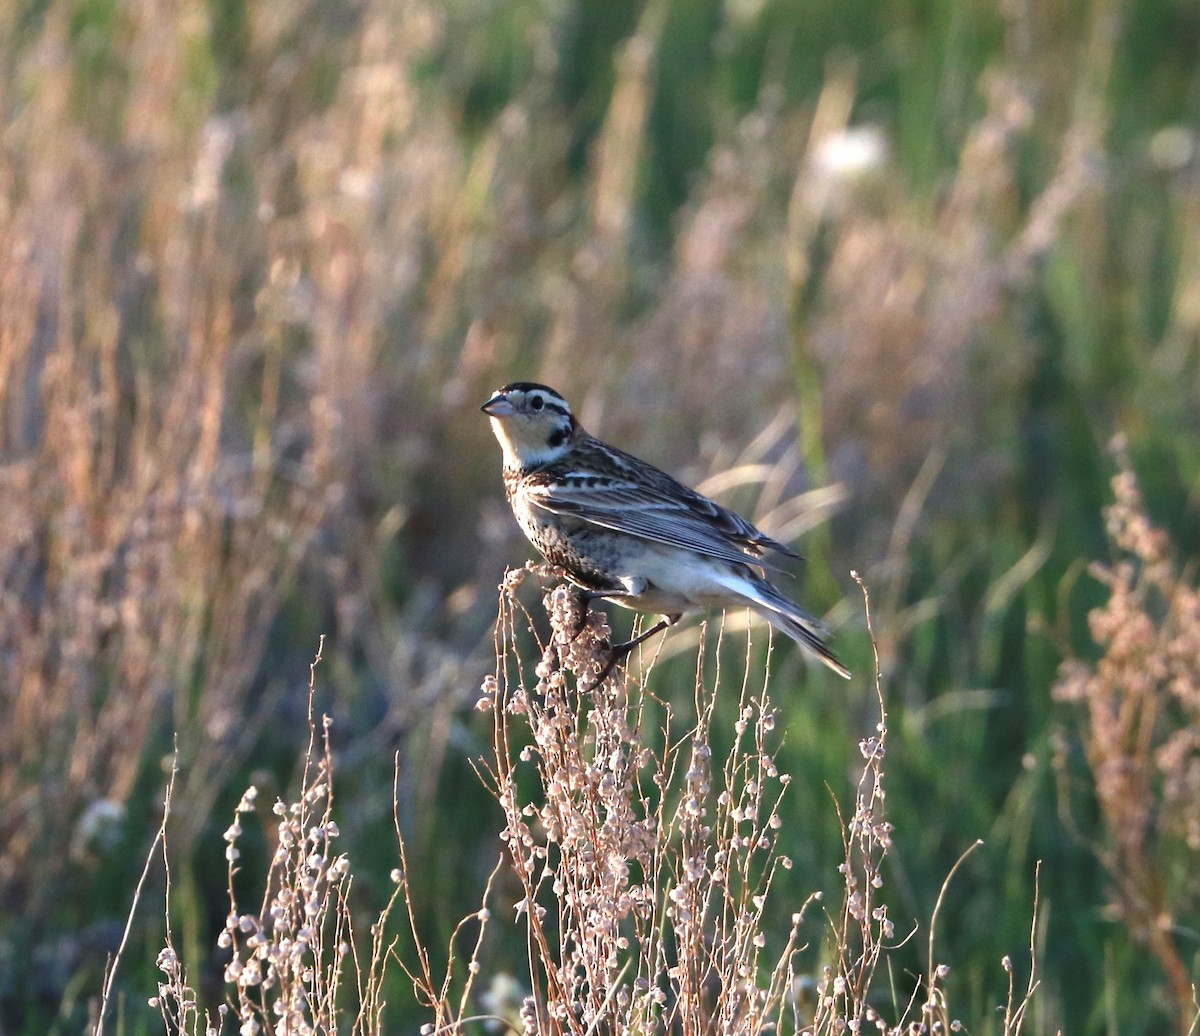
585 598
619 651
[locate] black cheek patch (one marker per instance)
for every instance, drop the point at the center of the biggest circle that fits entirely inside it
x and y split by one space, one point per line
558 437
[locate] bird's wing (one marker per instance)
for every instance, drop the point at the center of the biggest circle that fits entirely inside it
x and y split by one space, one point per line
645 502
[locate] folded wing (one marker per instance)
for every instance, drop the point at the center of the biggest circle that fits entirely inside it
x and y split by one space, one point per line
660 510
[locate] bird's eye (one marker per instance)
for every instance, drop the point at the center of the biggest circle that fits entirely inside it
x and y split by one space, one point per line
536 403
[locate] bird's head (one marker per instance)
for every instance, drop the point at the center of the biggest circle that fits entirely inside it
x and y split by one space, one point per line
533 423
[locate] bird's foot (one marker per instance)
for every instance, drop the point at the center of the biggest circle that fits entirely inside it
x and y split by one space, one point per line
584 601
618 652
584 598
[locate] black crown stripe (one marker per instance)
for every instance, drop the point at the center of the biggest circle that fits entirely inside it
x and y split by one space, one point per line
529 386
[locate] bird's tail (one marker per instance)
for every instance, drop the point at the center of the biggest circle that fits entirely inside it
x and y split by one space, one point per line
812 642
788 617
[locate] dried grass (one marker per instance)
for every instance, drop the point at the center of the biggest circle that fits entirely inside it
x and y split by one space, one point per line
1139 707
645 863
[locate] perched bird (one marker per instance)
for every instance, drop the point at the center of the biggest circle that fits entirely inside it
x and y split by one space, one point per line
626 531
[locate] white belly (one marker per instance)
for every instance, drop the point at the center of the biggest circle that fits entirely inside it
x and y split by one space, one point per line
675 581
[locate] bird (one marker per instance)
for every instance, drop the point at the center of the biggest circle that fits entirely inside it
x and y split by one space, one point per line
625 531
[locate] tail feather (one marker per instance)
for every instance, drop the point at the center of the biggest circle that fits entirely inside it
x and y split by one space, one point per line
788 617
806 638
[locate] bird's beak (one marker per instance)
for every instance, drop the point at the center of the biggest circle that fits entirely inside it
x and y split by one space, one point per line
498 406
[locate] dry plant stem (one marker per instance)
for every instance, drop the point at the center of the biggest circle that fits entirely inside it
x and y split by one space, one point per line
936 1002
287 967
640 855
861 935
645 866
1140 712
862 929
432 994
503 783
937 907
1014 1013
160 838
288 959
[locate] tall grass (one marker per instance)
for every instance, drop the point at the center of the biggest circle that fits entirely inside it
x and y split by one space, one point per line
260 263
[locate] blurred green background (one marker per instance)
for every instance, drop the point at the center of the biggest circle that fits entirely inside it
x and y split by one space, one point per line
261 263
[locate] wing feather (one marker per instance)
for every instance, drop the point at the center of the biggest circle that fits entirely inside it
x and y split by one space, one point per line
645 502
